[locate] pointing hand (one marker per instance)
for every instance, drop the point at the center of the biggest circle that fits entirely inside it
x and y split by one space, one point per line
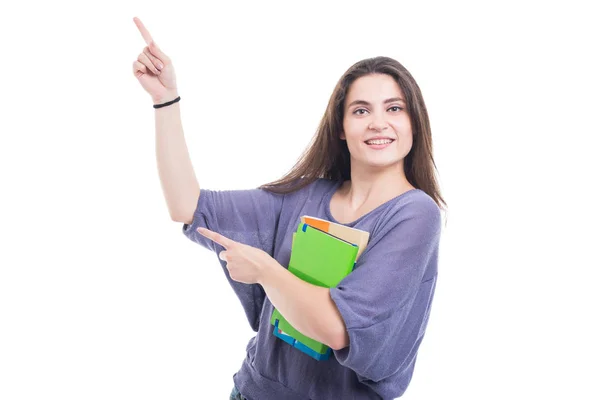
154 69
245 263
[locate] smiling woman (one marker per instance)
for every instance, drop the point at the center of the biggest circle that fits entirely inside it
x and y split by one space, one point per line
376 98
374 118
369 166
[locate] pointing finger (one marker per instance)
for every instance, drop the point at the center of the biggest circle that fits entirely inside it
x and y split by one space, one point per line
143 30
217 238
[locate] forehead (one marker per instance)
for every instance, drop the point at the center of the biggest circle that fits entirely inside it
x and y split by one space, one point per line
373 88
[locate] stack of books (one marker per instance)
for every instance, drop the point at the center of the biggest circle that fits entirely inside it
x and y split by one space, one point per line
323 253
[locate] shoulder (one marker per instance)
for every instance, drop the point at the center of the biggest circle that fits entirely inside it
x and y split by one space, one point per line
421 204
415 209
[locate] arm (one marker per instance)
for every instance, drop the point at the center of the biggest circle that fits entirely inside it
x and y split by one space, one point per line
386 301
178 180
309 308
154 70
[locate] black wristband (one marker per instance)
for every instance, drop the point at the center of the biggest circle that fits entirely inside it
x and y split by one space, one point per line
168 103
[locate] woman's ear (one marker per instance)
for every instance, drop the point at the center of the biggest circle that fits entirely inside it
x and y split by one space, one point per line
343 136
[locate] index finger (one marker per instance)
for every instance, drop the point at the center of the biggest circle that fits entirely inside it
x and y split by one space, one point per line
216 237
143 30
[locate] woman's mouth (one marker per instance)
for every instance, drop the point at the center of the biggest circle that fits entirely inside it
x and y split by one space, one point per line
379 144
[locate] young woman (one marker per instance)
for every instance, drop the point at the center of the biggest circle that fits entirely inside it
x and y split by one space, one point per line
370 166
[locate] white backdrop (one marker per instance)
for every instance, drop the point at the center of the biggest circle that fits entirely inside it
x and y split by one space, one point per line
101 295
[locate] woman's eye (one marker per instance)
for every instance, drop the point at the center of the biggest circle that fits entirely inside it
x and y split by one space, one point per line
395 108
360 111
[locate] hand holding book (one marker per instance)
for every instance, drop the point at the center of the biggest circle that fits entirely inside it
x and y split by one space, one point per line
323 253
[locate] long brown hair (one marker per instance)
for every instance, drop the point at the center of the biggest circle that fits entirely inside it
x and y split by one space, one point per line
327 156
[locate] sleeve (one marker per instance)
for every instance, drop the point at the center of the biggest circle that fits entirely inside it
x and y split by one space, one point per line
246 216
385 301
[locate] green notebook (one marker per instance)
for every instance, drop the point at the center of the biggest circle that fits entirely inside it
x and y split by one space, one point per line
321 259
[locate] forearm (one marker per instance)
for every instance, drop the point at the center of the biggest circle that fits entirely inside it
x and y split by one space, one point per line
178 180
307 307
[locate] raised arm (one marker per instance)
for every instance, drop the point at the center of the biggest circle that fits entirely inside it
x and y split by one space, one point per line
178 181
155 72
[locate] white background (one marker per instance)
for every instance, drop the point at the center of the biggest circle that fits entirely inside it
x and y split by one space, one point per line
101 295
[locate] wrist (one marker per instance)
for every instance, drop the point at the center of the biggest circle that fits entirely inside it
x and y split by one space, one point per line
268 272
165 97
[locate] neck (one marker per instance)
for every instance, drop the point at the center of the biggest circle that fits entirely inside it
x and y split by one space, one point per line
375 185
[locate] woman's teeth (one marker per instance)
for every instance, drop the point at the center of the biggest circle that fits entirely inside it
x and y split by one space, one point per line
379 141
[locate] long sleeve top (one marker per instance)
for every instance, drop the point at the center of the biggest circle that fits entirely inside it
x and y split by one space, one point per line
385 301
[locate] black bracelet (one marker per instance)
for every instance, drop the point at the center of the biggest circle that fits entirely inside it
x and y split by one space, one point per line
168 103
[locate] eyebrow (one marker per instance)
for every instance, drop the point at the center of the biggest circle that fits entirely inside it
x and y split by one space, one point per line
366 103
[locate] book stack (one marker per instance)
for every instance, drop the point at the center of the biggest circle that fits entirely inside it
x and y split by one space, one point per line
323 253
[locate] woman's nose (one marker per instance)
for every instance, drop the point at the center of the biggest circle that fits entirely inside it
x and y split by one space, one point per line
378 124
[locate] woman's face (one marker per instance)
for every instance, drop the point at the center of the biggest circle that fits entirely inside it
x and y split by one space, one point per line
375 107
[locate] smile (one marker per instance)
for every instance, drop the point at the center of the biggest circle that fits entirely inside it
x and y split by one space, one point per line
380 144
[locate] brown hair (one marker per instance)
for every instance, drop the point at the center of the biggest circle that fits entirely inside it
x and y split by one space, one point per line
328 156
